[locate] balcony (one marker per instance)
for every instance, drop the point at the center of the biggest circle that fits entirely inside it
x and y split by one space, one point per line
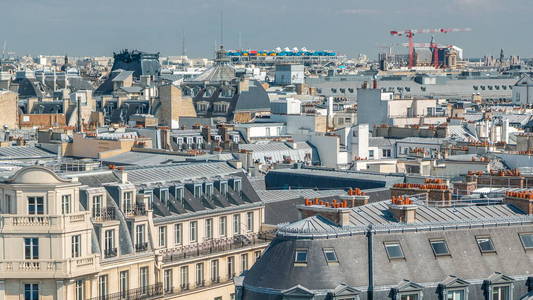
105 214
139 209
49 268
214 246
36 223
147 292
141 247
112 252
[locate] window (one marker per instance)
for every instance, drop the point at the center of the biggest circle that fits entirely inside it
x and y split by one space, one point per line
485 244
76 245
223 188
197 191
79 289
102 287
455 295
394 250
527 240
179 195
218 298
7 199
178 234
222 226
35 205
236 224
194 231
128 201
109 243
200 274
501 292
31 248
409 297
65 204
244 262
143 280
167 280
208 190
231 267
439 247
124 283
257 255
386 153
140 237
214 271
209 228
371 154
150 195
163 196
184 277
31 291
237 186
331 256
250 221
300 256
162 236
97 206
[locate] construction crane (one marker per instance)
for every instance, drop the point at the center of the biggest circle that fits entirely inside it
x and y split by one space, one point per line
410 33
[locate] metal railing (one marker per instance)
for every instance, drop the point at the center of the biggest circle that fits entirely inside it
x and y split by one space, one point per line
139 209
146 292
215 246
141 247
112 252
105 214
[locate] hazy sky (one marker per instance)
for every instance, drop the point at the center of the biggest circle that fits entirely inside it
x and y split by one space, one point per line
99 27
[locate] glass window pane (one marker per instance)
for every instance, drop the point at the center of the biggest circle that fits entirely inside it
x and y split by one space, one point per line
394 250
301 256
440 247
527 240
485 245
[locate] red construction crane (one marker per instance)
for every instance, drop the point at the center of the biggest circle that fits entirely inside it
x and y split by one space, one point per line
410 33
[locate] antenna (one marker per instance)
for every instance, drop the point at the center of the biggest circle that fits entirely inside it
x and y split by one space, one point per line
183 50
221 27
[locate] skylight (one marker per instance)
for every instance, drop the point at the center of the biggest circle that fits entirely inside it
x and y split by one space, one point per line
394 250
485 244
527 240
440 247
331 256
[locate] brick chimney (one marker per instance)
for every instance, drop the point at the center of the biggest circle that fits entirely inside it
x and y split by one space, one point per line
523 200
403 209
337 212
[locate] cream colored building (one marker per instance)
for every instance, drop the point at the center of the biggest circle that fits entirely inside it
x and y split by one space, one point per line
9 105
173 232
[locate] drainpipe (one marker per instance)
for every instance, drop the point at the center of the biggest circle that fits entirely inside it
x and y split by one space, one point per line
370 239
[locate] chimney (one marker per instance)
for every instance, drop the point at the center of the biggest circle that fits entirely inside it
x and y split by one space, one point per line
403 209
523 200
331 211
355 197
122 175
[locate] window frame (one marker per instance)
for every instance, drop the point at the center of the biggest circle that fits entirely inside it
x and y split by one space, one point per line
392 243
434 241
66 204
193 231
162 235
75 245
33 289
325 251
298 251
478 238
31 248
36 204
520 235
178 233
223 226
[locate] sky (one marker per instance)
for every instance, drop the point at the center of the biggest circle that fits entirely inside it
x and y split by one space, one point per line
350 27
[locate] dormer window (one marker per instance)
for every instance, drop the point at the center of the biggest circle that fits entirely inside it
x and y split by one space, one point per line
221 107
127 205
163 195
202 106
226 93
179 194
197 191
223 188
208 189
237 185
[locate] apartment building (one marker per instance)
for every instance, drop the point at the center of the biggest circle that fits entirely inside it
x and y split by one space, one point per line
173 232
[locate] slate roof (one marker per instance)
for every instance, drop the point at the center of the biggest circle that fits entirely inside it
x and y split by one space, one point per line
24 152
179 172
277 151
